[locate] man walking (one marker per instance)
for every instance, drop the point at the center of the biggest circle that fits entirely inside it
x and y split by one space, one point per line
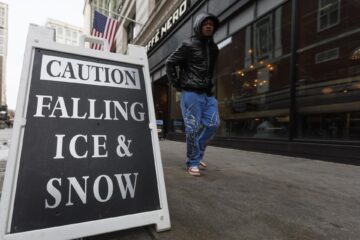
196 59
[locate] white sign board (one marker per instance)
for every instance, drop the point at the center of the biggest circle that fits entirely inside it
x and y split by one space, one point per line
84 156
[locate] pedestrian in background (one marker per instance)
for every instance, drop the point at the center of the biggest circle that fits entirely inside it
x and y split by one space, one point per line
196 59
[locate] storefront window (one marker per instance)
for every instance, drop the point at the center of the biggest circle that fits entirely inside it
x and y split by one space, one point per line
328 82
177 123
252 76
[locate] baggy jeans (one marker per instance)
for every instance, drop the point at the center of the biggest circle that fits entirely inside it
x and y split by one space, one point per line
201 118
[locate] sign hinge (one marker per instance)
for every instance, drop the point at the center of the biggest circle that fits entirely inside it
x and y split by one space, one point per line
152 126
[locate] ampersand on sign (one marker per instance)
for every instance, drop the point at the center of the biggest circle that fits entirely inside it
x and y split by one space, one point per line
122 149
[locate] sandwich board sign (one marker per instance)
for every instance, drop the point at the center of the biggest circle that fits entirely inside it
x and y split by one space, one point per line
84 156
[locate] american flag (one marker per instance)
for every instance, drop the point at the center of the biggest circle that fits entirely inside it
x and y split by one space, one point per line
104 27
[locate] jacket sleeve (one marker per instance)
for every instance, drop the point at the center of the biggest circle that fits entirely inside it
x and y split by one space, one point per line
177 58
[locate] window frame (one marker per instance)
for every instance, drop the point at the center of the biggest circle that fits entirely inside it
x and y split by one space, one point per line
320 8
267 23
130 31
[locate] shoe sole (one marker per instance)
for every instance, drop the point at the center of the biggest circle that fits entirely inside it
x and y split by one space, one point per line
193 173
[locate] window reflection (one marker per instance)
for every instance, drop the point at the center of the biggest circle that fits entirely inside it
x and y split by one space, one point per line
328 13
263 38
328 82
252 77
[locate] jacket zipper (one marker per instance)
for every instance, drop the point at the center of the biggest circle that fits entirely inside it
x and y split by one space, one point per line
208 57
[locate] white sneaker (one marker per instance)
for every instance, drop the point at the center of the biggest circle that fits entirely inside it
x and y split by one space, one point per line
202 165
193 171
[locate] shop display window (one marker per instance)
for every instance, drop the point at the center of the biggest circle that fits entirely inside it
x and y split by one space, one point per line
252 75
252 78
328 80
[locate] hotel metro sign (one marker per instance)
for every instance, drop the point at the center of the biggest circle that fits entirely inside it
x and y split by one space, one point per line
84 157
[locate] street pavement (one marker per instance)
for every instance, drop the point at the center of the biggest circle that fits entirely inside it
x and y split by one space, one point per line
255 196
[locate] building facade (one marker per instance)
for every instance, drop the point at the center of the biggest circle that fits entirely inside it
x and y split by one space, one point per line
65 33
3 50
131 15
287 77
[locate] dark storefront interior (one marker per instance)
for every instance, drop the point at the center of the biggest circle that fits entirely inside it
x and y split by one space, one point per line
287 78
161 99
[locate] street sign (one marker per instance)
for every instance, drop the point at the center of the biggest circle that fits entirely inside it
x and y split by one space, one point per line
84 155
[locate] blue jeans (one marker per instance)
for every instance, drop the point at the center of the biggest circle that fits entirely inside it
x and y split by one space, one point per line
201 118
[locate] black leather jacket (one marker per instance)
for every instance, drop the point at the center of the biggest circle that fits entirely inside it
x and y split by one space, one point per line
195 58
